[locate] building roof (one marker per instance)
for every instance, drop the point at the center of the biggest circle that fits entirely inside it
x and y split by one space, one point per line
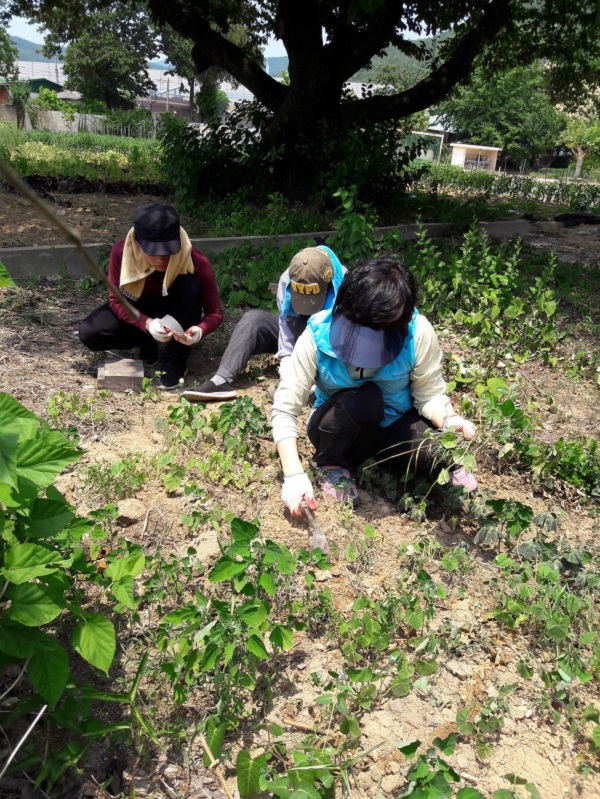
475 147
37 83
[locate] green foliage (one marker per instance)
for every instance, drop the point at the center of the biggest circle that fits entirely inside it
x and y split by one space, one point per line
80 155
583 137
479 183
244 273
485 719
8 56
512 110
218 160
576 461
107 60
481 292
109 482
217 642
5 278
40 557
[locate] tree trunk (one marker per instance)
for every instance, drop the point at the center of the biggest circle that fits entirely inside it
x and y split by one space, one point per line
580 153
192 104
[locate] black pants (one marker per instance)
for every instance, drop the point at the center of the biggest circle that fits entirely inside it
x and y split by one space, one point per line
102 330
345 431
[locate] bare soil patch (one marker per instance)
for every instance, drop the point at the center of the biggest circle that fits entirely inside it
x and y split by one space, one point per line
99 218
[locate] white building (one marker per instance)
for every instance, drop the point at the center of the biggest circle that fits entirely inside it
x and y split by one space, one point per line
475 156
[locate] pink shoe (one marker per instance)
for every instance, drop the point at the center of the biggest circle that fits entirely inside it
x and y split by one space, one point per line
460 478
337 482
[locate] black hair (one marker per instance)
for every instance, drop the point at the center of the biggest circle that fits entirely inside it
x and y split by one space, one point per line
379 293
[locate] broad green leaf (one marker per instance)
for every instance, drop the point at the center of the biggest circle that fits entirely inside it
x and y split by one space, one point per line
287 562
34 605
5 278
214 736
94 639
248 775
469 793
48 517
9 440
225 569
282 637
48 671
463 725
25 562
532 790
243 532
446 745
43 458
409 748
426 667
268 583
415 618
124 591
132 565
503 793
524 670
19 641
305 790
257 647
13 414
253 613
484 750
596 737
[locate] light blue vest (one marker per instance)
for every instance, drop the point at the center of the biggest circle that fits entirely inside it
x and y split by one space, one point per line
338 276
393 379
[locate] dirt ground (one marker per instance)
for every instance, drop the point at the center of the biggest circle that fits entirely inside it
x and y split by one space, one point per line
98 218
40 355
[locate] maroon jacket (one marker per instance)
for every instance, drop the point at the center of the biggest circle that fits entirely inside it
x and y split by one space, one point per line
213 315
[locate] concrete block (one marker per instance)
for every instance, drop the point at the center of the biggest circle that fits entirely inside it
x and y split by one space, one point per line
121 374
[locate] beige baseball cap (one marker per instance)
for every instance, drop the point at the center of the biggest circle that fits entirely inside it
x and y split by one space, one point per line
310 272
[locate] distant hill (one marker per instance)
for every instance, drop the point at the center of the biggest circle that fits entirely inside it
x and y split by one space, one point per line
28 50
277 64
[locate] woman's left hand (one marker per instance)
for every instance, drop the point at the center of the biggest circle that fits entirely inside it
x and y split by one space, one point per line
191 336
464 426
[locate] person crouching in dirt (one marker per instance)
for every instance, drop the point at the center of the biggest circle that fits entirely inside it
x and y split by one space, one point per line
157 268
379 387
307 286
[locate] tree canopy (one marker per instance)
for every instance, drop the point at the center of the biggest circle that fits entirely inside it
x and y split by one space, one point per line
107 59
8 52
329 41
512 110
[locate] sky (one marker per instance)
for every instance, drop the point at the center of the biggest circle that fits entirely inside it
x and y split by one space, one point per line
20 27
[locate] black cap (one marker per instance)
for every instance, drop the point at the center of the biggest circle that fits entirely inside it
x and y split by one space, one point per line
157 229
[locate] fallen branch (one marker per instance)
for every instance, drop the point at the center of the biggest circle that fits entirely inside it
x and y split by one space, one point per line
214 765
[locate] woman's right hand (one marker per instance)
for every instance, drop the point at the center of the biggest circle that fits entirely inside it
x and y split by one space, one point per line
158 331
297 489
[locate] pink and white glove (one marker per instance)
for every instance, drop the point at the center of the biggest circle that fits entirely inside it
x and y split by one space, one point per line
158 331
191 336
296 490
461 425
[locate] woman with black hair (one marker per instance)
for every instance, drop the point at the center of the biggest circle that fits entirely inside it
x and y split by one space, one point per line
376 363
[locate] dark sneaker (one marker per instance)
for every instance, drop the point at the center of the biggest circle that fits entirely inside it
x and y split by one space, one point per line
460 478
171 376
210 392
336 482
149 352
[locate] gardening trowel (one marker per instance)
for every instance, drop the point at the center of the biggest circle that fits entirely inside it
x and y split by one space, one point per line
317 539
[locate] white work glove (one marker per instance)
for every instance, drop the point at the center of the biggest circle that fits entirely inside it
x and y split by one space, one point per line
456 422
296 490
158 331
191 336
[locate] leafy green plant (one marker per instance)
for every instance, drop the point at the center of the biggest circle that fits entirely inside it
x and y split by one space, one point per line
45 619
485 719
218 643
118 480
